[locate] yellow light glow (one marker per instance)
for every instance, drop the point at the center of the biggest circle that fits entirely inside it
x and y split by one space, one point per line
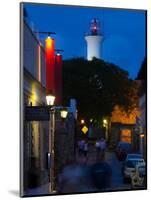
64 114
126 135
119 115
49 42
50 100
104 121
142 136
33 98
82 121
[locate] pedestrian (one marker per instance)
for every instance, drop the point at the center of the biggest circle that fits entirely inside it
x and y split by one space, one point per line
101 175
85 150
100 149
81 147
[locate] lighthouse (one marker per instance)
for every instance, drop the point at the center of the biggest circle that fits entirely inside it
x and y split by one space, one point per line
94 40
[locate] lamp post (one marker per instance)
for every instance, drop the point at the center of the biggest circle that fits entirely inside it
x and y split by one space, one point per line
105 125
63 114
50 103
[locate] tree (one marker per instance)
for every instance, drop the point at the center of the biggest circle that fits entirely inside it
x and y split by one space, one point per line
97 86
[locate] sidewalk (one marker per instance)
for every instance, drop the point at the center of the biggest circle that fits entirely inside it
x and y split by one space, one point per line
41 190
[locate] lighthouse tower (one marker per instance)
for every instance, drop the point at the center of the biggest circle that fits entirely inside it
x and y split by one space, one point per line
94 40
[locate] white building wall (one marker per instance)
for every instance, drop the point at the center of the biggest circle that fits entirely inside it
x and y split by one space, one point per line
35 132
30 55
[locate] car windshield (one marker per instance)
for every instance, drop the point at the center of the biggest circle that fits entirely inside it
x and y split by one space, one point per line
133 163
134 156
130 164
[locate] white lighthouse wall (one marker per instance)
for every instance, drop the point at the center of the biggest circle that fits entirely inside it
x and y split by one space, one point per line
93 46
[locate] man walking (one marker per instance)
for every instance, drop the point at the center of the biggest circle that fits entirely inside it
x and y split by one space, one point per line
100 149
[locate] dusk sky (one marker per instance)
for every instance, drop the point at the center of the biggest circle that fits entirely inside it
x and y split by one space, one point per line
124 32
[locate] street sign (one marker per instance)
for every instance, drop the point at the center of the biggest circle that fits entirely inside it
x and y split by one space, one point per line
84 129
37 113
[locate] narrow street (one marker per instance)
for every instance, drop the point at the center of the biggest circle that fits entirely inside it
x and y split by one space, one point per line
110 158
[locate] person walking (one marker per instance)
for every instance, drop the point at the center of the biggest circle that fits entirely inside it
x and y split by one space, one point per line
100 149
85 150
97 145
81 147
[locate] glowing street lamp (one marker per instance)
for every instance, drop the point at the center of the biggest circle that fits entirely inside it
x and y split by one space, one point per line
64 113
50 99
82 121
91 120
105 125
105 121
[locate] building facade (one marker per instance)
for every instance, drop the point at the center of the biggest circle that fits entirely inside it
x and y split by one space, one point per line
123 127
142 125
35 132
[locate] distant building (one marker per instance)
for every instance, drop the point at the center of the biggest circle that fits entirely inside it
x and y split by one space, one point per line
123 127
36 133
34 93
142 128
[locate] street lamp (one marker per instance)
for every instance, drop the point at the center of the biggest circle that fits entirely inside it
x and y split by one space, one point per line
91 120
50 98
105 121
105 125
82 121
64 113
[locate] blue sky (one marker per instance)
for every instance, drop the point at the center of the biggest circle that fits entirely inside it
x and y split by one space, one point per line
124 32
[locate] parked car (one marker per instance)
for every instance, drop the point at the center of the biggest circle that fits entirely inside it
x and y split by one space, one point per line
130 164
123 148
138 178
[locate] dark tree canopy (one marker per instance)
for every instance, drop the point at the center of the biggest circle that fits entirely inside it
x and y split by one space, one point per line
142 76
97 87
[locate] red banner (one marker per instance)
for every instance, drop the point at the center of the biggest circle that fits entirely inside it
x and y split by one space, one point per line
50 62
58 79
